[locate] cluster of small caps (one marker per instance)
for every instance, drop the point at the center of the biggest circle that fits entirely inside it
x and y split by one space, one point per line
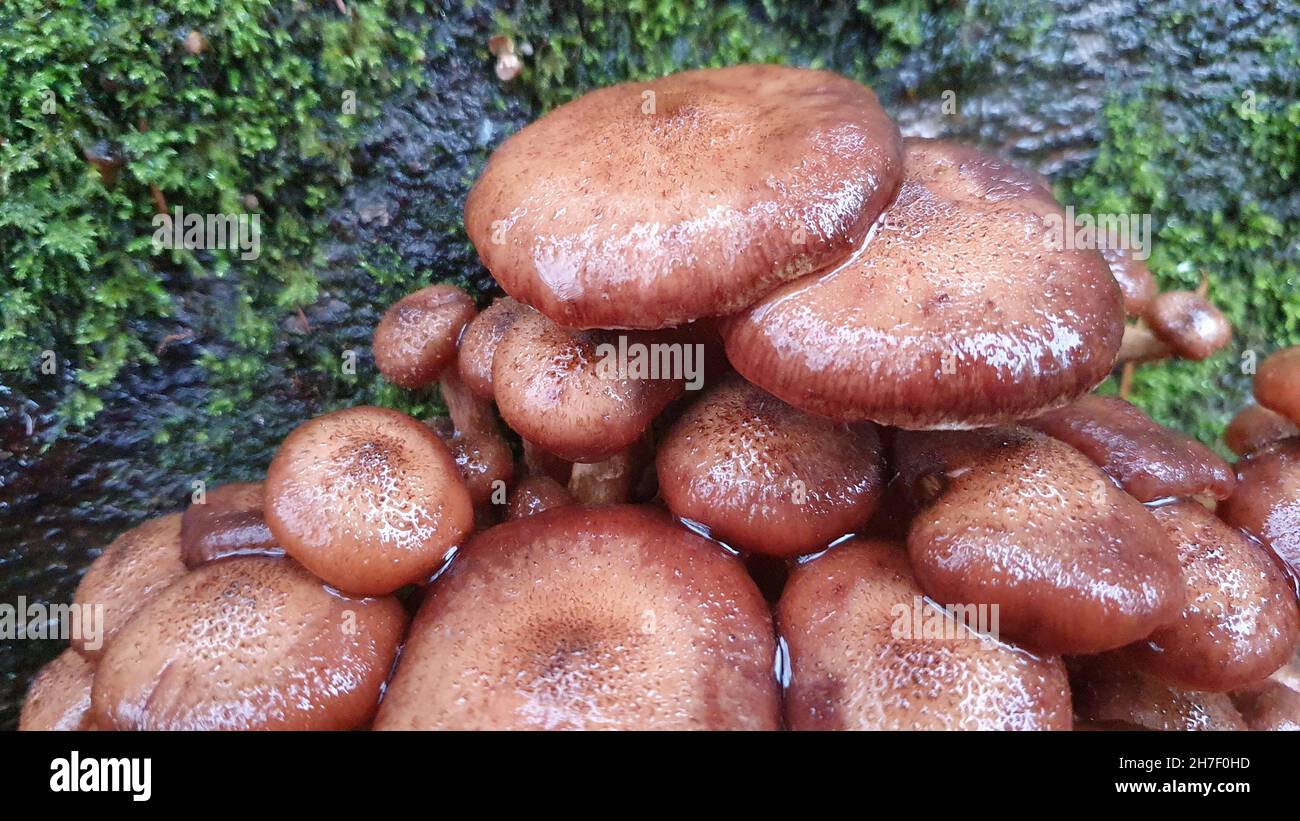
896 429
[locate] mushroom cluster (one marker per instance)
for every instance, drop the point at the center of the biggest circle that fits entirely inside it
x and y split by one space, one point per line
784 421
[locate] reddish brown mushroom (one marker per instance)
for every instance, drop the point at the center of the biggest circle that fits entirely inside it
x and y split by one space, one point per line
957 313
249 643
1277 383
1269 705
608 617
416 338
131 571
1178 323
1134 279
536 493
1013 518
1149 461
1255 427
471 432
59 695
764 477
650 204
1239 621
367 498
478 345
1105 692
227 522
1266 503
859 659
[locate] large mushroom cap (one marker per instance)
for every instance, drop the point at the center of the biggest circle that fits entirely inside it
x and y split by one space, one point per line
607 617
850 669
1239 621
765 477
649 204
416 337
959 311
59 695
248 643
133 569
1150 461
367 498
1021 520
1277 383
1266 503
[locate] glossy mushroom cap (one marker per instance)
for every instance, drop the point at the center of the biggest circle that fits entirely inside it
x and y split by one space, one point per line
59 695
765 477
1149 461
1134 279
857 664
228 522
478 345
588 617
1012 517
366 498
473 435
1255 427
1239 621
1269 705
534 494
1266 503
957 313
563 390
1189 324
1105 692
1277 383
132 570
648 205
249 643
416 337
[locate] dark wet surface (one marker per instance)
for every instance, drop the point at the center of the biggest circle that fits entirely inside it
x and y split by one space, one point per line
1035 88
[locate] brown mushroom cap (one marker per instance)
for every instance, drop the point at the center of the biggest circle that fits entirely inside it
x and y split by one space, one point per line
1134 278
132 570
534 494
1189 324
228 522
1026 522
850 670
1106 692
1277 383
1266 503
478 345
1255 427
249 643
650 204
1269 705
59 695
556 389
1239 621
1150 461
416 338
955 314
366 498
588 617
765 477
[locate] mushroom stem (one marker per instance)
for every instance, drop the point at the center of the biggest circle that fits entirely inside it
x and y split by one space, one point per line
541 462
609 481
1141 345
470 415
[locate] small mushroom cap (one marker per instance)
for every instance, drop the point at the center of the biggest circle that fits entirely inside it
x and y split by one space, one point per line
1239 621
1277 383
1106 692
1269 705
1149 461
1134 278
1266 503
249 643
765 477
1255 427
1189 324
850 669
483 460
1021 520
534 494
650 204
59 695
957 312
610 617
561 389
366 498
478 345
133 569
416 337
228 522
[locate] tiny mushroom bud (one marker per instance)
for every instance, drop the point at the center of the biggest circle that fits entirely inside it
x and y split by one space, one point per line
1134 279
1178 323
1266 503
869 652
1106 692
650 204
959 312
229 522
611 617
59 695
195 42
536 493
1277 383
1149 461
1256 427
